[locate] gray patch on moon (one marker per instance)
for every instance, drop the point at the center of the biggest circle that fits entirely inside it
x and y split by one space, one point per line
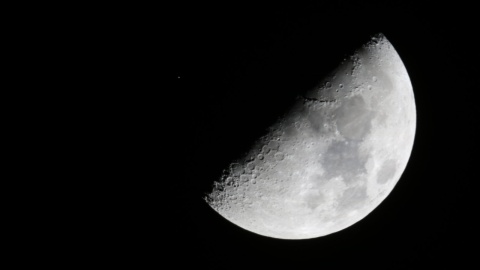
384 82
319 181
320 121
353 197
387 171
316 121
343 158
354 119
314 199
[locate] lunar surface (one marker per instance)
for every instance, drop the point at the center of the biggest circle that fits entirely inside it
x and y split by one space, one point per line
332 158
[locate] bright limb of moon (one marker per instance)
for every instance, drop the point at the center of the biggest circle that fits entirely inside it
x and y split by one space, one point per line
333 158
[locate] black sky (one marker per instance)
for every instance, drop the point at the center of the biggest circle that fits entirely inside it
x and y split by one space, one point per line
235 68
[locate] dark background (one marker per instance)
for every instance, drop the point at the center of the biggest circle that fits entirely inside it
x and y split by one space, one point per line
235 68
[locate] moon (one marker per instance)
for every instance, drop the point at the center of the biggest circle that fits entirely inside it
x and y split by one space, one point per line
332 158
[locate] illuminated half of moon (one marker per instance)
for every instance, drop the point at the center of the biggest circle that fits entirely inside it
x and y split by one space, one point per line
331 159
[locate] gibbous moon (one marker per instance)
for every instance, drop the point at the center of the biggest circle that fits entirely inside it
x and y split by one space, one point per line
330 160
